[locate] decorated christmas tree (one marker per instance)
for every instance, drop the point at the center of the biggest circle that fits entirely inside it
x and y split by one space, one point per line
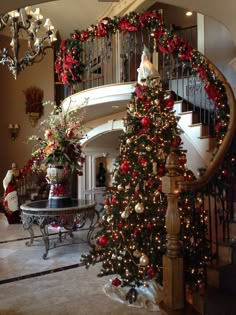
131 237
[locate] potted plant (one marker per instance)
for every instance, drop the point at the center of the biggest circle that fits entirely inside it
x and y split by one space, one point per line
60 149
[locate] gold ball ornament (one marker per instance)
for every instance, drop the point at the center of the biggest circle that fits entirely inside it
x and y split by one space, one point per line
97 247
107 208
148 148
139 208
125 213
131 107
129 141
110 218
137 253
144 260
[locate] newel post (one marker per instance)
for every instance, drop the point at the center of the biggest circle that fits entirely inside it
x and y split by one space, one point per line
173 279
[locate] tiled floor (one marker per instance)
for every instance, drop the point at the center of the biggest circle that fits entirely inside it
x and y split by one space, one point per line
59 285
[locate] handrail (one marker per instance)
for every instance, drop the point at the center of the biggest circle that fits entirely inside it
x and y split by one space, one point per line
218 158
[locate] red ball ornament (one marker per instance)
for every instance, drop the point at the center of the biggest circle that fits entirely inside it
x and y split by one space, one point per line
120 225
176 142
183 159
136 232
151 272
134 174
150 182
106 202
145 121
102 240
159 188
224 172
114 200
161 170
155 139
125 166
170 103
149 225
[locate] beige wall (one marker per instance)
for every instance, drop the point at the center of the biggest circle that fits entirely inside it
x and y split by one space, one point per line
12 106
220 48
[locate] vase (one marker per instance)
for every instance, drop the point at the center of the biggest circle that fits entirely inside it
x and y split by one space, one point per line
59 193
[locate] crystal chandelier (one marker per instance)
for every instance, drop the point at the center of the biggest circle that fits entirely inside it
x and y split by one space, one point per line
25 25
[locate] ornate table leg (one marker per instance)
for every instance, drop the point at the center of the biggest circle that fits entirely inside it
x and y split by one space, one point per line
94 217
43 225
27 222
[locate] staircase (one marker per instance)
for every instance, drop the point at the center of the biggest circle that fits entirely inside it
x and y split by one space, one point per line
196 137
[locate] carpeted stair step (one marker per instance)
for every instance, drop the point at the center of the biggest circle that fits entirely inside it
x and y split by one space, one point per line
219 303
228 280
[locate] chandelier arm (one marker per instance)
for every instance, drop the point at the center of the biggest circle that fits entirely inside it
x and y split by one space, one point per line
3 21
20 20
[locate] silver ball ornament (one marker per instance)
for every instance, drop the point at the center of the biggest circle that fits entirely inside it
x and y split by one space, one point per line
120 187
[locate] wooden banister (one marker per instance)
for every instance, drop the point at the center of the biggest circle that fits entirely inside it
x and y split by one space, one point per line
227 140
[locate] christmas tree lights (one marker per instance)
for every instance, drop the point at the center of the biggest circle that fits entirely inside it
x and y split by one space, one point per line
131 239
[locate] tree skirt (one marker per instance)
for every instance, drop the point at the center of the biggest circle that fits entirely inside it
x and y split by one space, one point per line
147 297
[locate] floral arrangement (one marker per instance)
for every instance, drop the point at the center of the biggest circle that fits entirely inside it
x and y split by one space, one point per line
69 68
34 100
60 144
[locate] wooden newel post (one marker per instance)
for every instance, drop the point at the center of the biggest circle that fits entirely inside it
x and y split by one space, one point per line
173 279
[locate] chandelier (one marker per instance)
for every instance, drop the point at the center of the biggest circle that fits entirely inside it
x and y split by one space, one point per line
25 25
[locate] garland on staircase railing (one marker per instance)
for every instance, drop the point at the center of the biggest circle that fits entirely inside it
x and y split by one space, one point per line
69 66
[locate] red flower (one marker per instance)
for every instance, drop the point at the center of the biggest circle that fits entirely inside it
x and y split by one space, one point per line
212 91
125 25
147 16
140 91
201 72
63 45
83 36
75 36
169 47
218 126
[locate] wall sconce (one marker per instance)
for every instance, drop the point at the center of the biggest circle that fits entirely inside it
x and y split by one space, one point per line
14 130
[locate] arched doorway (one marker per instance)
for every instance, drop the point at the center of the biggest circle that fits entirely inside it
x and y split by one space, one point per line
100 146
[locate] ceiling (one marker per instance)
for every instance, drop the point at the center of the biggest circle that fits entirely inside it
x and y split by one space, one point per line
68 15
79 14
